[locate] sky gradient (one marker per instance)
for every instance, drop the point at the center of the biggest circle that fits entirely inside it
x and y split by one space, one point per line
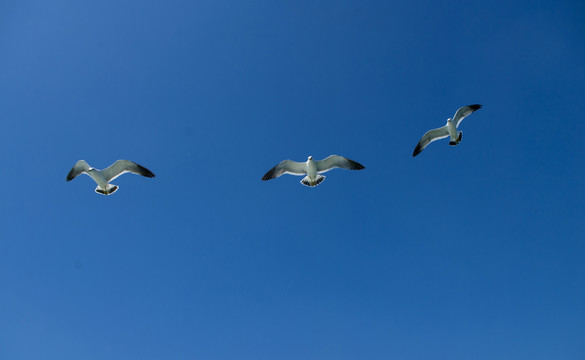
468 252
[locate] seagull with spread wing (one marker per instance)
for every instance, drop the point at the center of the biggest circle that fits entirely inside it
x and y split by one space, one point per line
103 177
450 129
312 168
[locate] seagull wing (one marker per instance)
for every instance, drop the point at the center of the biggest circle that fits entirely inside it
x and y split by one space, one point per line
429 137
336 161
123 166
286 167
80 167
463 112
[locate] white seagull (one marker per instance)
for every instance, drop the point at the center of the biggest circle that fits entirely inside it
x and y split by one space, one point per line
450 129
312 168
103 177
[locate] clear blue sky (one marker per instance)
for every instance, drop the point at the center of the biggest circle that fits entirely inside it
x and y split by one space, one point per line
468 252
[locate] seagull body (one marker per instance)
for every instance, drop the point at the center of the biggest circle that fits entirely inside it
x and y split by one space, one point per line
449 130
311 168
103 177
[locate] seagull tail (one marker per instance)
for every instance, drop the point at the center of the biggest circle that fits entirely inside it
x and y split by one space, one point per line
307 181
109 190
458 139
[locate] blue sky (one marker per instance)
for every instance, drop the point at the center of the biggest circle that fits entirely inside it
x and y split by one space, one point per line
467 252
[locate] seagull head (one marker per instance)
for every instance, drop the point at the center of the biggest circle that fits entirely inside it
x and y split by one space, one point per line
448 120
310 158
91 169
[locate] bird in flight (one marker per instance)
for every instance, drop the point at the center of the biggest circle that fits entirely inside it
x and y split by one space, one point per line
103 177
312 168
450 129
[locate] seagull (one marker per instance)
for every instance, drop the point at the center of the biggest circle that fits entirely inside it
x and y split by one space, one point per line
103 177
312 168
450 129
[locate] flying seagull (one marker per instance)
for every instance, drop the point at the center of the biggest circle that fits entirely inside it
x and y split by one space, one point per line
450 129
312 168
103 177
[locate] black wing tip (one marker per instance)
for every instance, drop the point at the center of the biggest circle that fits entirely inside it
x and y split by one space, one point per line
475 107
273 173
353 165
148 174
70 176
269 175
145 172
417 150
